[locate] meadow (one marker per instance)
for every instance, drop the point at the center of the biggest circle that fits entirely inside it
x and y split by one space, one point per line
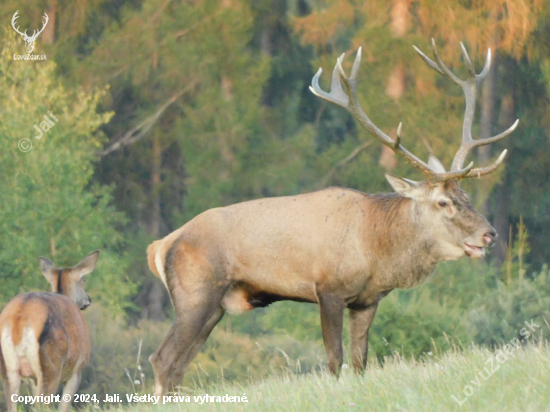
519 383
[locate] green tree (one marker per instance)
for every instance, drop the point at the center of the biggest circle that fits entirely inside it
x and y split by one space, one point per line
48 204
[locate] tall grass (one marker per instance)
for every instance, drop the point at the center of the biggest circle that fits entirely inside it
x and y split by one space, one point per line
520 383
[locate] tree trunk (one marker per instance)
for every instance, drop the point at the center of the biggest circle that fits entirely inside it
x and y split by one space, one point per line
503 193
156 164
48 35
400 22
153 296
151 299
484 153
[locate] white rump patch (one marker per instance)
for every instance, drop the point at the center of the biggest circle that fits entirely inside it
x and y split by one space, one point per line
160 266
23 359
11 359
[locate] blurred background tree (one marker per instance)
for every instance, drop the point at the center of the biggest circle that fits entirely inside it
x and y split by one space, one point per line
49 205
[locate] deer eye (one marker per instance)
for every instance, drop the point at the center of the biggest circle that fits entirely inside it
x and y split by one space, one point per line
442 203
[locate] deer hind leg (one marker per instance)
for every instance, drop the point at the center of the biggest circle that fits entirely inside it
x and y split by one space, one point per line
10 366
192 316
70 388
51 355
187 358
12 382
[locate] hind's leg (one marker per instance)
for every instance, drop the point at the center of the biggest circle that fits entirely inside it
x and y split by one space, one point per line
12 388
70 388
11 379
187 358
12 383
50 370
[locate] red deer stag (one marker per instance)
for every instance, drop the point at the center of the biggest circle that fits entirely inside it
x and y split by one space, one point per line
44 336
336 247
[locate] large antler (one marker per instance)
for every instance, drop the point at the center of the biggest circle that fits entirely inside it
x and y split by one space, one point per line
433 170
469 87
349 102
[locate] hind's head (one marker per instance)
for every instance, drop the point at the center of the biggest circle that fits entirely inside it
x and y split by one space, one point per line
70 281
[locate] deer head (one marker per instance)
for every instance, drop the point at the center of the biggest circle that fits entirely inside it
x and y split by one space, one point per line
70 281
29 40
443 207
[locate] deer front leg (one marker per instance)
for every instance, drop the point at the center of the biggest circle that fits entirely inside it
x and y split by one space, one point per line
332 321
359 323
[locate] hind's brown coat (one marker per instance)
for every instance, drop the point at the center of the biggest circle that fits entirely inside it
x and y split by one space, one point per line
43 336
52 318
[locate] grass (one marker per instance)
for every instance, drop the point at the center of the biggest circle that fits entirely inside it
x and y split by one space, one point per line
520 383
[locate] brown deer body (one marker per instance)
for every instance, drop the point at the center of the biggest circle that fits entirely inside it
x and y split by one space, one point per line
336 247
43 336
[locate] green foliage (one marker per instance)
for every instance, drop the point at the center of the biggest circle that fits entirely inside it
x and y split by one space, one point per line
48 205
516 253
499 315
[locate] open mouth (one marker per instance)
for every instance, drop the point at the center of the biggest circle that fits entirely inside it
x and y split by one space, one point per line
475 252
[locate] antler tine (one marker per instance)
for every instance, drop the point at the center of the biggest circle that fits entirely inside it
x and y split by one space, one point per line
469 65
468 142
486 67
469 87
349 102
428 61
444 69
336 95
480 171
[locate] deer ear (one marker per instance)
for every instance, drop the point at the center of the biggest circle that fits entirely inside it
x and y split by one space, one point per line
48 270
87 265
436 165
405 187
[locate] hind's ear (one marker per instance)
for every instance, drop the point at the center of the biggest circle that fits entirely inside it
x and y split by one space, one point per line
87 265
46 265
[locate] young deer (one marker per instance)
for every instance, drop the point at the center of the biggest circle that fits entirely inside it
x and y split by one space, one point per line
43 335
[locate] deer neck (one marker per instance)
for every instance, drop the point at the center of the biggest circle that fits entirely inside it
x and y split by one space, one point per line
407 252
